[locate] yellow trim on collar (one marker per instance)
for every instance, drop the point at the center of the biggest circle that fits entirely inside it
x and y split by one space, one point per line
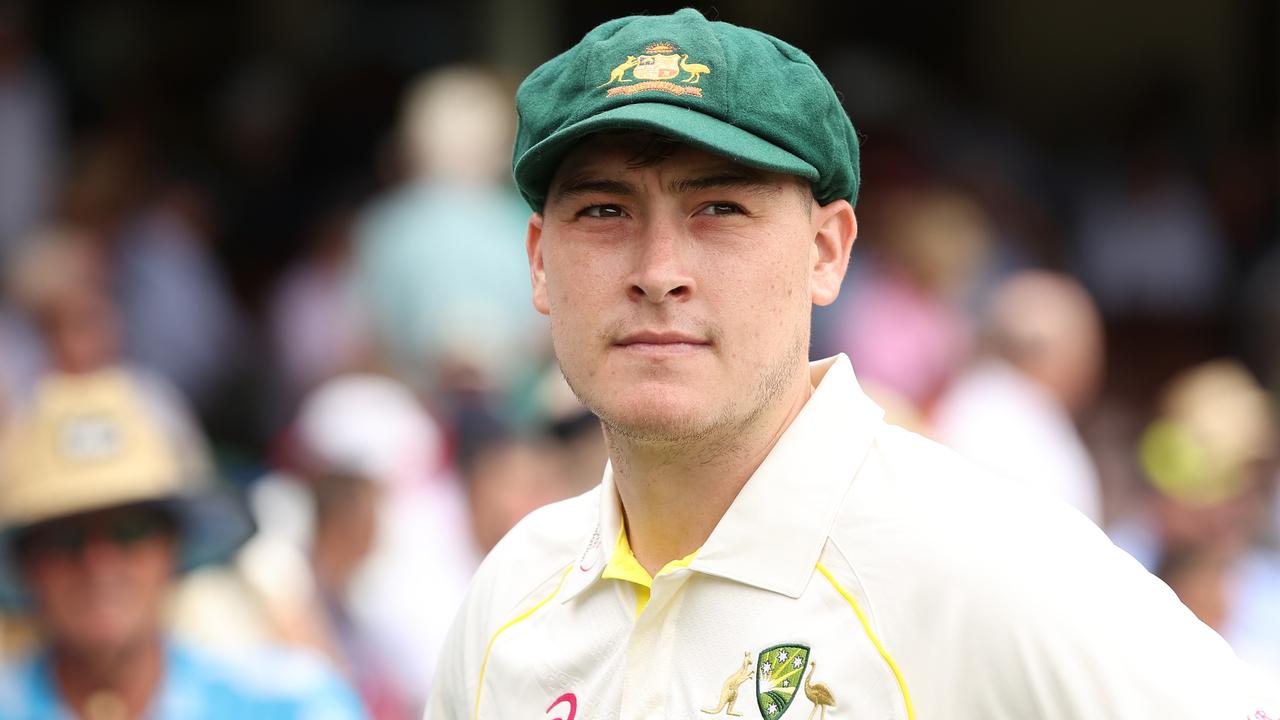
623 565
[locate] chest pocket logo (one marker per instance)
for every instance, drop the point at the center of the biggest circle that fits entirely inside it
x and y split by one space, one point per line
781 668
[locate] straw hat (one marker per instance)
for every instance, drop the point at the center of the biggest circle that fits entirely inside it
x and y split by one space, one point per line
106 439
1215 422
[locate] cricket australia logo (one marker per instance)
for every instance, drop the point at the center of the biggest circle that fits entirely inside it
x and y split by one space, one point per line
779 671
655 69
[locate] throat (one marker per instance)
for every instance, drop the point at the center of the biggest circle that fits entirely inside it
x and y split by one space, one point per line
674 495
110 685
668 518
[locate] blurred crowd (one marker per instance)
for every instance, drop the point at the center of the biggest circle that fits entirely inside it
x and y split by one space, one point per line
329 447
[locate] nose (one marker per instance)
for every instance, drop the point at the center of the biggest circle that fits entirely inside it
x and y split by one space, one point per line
661 270
100 554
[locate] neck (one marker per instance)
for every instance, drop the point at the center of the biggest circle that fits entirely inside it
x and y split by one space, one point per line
673 493
332 562
120 682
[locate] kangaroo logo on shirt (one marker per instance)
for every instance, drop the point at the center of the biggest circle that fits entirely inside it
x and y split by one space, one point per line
729 692
780 669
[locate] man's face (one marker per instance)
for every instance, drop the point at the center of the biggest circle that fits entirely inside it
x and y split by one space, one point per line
99 580
680 288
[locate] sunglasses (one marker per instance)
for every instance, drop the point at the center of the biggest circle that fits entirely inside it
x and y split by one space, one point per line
68 538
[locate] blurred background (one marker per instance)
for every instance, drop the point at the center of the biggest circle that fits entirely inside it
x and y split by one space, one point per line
298 215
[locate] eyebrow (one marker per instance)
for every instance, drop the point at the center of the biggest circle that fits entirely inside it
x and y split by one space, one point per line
738 179
743 180
583 185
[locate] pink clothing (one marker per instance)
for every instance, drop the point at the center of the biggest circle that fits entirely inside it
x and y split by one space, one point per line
903 339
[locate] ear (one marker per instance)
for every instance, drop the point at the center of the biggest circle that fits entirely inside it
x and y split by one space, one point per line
835 227
537 272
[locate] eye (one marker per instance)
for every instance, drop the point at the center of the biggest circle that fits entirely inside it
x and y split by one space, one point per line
602 211
721 208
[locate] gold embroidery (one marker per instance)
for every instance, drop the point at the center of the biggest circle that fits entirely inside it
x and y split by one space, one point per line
656 85
657 68
619 73
818 693
729 692
695 70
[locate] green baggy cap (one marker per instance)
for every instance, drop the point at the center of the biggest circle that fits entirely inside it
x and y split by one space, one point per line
730 90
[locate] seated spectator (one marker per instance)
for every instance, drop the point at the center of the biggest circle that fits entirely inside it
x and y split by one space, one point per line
906 328
1211 455
103 498
439 263
339 563
1012 411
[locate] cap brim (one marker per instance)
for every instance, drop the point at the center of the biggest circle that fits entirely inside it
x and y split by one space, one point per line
212 526
535 169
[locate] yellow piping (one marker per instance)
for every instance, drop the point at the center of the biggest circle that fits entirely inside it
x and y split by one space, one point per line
485 663
866 627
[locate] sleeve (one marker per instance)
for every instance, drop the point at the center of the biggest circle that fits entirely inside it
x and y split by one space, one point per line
1102 638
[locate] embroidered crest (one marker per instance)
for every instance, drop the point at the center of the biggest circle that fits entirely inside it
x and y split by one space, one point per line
729 691
655 69
781 668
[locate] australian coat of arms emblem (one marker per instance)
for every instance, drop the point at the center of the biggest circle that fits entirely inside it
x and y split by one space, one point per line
661 67
780 669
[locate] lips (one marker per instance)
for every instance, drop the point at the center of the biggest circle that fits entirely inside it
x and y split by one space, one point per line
659 344
660 337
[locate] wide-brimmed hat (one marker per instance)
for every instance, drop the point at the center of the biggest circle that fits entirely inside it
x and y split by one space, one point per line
108 439
1216 423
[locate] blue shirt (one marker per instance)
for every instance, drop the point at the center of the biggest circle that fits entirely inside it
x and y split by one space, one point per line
275 684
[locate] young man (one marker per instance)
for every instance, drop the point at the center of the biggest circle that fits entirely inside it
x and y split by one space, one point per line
762 543
104 495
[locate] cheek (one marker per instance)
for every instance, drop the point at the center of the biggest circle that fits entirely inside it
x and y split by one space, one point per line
766 298
149 572
579 297
47 584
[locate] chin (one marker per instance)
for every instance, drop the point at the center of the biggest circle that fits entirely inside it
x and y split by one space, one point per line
657 417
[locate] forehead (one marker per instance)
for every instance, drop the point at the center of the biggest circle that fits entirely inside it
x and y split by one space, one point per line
619 154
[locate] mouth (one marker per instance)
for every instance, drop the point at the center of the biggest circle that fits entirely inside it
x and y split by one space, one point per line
661 343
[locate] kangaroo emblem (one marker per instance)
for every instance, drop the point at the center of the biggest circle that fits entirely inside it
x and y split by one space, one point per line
729 693
695 70
621 70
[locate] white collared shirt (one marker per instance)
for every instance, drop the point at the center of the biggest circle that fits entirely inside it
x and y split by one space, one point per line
862 572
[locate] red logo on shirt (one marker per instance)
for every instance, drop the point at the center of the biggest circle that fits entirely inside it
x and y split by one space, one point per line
567 698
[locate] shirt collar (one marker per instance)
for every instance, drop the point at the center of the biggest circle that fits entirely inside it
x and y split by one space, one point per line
773 533
594 555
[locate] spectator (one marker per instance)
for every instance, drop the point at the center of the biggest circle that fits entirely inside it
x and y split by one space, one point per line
339 564
1211 457
440 261
103 497
1012 411
61 281
907 330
